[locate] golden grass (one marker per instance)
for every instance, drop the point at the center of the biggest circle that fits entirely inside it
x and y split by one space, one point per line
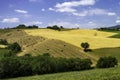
2 46
97 39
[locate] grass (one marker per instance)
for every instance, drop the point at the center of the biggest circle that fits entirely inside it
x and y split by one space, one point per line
115 52
97 39
67 44
37 45
96 74
2 51
117 35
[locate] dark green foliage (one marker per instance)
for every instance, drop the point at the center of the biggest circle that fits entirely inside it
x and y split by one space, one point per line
28 65
107 62
3 41
9 67
9 54
86 46
32 27
22 26
15 47
55 27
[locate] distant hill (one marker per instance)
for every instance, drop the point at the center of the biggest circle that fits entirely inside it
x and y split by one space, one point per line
115 27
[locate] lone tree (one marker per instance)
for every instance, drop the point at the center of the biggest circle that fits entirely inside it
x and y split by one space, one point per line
85 46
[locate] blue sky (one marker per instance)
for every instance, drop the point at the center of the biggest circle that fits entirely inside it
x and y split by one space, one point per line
67 13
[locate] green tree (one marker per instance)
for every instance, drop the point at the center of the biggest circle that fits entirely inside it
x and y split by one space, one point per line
106 62
85 46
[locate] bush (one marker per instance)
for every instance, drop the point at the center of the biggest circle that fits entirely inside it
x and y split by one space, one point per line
15 47
55 27
9 67
3 41
107 62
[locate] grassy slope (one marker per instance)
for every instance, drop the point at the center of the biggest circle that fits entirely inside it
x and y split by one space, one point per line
97 39
36 45
2 51
96 74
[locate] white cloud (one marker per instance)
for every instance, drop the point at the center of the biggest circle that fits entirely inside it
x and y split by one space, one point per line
75 3
43 9
117 21
96 11
65 9
10 20
21 11
111 14
65 24
68 6
51 9
33 23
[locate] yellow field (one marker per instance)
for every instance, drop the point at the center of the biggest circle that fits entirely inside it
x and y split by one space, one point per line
97 39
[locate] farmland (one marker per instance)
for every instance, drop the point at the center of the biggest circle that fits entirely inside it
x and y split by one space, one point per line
67 44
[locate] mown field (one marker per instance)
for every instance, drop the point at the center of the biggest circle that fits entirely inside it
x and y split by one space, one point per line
96 39
103 43
96 74
67 44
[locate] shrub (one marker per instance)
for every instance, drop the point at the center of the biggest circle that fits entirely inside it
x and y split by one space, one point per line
3 41
107 62
55 27
9 67
15 47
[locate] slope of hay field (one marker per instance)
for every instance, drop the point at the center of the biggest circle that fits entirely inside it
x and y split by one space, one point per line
37 45
96 39
96 74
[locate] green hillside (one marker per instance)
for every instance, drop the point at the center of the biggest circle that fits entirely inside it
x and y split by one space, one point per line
96 74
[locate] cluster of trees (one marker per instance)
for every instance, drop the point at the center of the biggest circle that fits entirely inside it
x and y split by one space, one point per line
26 65
22 26
55 27
106 62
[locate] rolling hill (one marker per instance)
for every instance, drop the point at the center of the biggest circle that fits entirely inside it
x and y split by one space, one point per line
65 43
37 45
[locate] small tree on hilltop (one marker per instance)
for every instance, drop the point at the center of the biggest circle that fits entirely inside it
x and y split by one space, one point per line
85 46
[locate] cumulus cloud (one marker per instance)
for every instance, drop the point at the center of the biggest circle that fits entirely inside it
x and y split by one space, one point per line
117 21
43 9
95 11
111 14
65 24
69 6
21 11
10 20
75 3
